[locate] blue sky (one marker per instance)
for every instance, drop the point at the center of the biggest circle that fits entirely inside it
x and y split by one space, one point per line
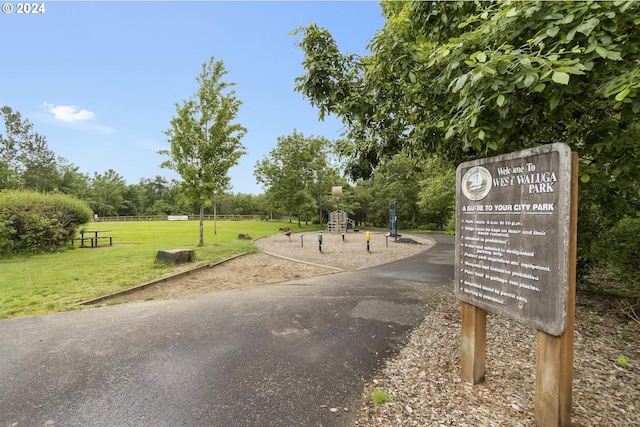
100 80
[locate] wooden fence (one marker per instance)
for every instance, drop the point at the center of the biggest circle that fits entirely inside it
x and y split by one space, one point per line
190 218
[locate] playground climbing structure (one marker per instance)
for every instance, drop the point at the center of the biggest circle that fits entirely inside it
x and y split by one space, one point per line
339 222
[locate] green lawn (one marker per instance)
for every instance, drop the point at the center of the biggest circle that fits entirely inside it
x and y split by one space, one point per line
47 283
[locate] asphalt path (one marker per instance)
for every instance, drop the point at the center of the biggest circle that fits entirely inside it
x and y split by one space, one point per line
292 354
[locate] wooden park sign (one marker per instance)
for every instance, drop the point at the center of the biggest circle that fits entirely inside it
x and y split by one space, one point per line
516 224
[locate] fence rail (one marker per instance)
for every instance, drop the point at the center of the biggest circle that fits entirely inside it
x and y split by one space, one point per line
190 218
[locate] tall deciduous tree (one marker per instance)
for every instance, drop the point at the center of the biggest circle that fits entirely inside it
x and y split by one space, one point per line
39 166
473 79
205 143
74 182
25 159
468 79
108 193
296 173
437 191
17 133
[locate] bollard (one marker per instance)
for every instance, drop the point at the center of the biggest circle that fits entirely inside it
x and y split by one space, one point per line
386 240
320 241
302 240
367 236
343 237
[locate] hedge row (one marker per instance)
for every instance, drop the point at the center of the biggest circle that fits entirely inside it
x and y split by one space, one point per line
35 222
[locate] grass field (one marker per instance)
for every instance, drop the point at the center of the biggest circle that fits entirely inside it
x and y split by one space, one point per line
47 283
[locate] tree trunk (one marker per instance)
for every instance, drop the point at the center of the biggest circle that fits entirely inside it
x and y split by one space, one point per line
201 243
215 216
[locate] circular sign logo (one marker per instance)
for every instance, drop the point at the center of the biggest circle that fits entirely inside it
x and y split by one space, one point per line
476 183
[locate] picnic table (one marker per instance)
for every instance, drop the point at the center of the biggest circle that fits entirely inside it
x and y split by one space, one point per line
93 236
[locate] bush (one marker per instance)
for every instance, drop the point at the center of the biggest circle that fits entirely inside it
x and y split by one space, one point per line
451 226
34 222
619 248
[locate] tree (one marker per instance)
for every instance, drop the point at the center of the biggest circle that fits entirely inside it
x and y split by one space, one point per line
17 133
39 165
359 201
158 196
397 180
73 182
26 162
296 173
205 143
108 193
464 80
437 194
25 159
246 204
469 79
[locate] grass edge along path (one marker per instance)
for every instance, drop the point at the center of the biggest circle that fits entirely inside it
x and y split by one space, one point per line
54 282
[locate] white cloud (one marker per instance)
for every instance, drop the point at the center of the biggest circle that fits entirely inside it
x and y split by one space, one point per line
69 113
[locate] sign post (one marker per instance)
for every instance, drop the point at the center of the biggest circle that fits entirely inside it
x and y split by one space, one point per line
515 256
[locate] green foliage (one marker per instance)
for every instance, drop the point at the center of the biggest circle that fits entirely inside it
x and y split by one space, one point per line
379 397
473 79
438 191
34 222
25 158
619 248
205 143
397 180
297 174
108 193
464 80
424 190
625 336
623 362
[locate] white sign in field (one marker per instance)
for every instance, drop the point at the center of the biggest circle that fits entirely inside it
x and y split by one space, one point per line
178 217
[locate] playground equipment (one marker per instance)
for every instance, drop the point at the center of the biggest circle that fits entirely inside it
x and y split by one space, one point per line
367 237
338 220
393 220
320 241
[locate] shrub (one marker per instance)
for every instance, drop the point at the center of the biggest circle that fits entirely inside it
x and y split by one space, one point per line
619 248
33 222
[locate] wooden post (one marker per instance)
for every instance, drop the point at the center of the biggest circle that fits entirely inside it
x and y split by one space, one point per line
554 355
474 342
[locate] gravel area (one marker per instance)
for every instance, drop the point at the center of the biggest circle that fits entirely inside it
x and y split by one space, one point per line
349 253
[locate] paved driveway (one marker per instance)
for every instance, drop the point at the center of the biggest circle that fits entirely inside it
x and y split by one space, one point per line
293 354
